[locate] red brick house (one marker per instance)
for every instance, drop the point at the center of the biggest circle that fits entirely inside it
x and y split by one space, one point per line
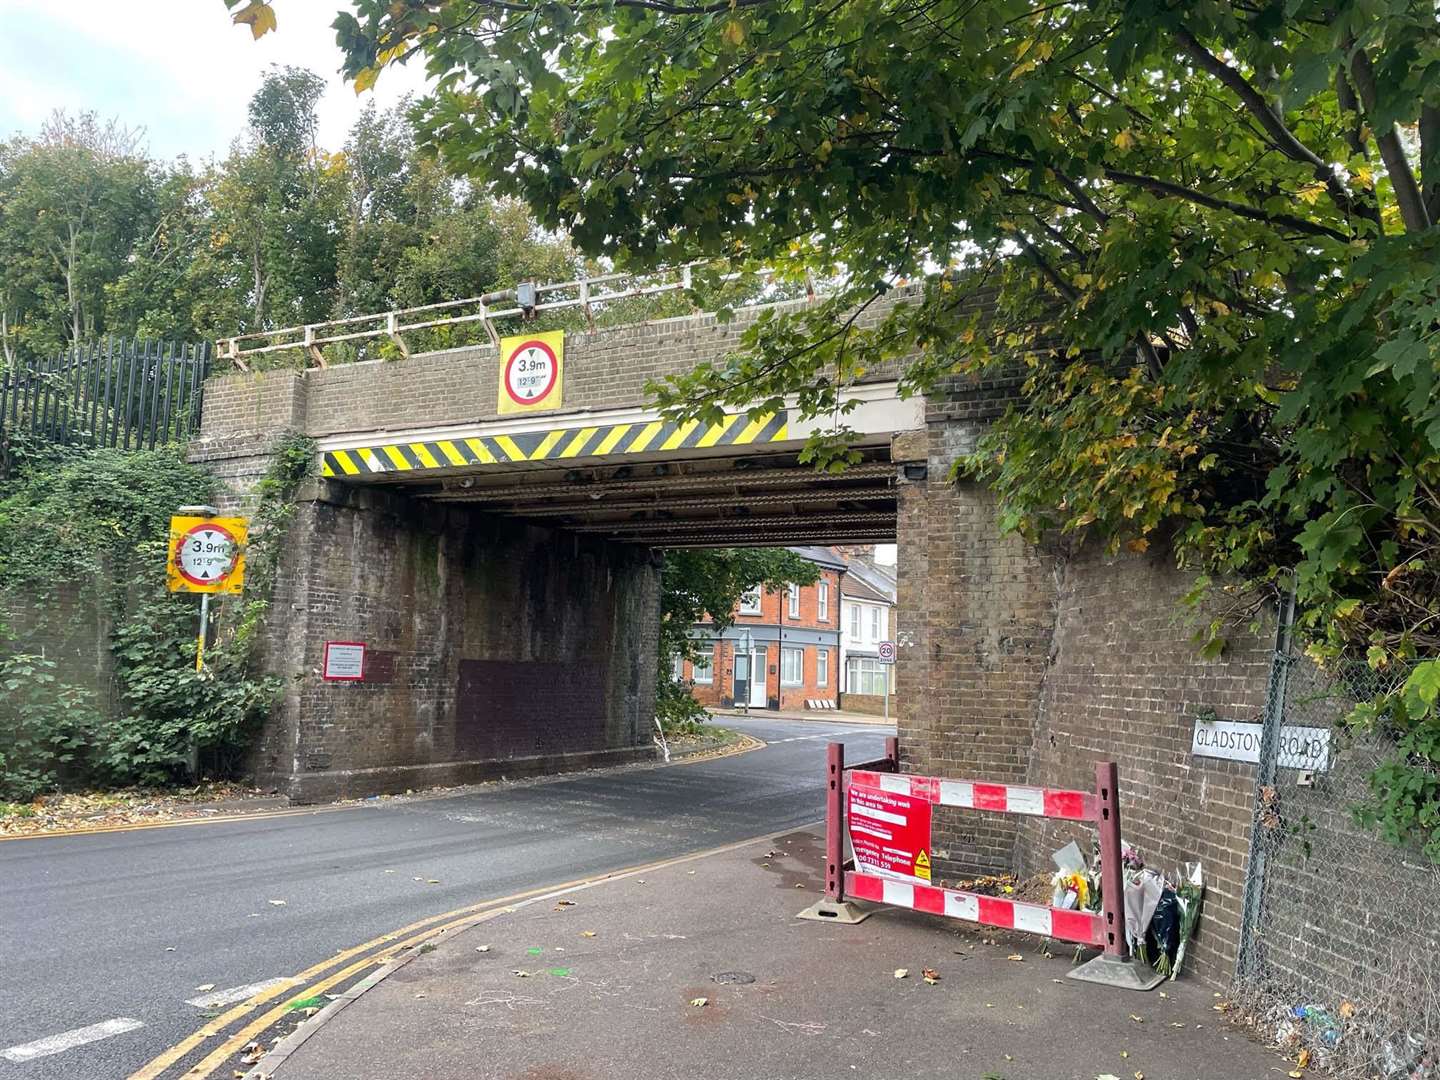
783 649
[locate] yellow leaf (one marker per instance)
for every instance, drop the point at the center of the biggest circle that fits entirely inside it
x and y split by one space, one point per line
1139 545
257 15
1124 139
365 80
1311 192
734 33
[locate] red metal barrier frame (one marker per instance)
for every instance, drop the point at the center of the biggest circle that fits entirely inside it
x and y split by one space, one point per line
1082 927
976 795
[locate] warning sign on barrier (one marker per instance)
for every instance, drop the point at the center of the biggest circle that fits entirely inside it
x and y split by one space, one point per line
889 832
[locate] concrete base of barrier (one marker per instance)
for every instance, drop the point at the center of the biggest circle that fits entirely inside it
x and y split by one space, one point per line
830 911
1121 974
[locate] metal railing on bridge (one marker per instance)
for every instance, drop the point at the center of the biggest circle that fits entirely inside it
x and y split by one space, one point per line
524 301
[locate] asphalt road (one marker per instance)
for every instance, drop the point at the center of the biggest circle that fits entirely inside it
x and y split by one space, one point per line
121 929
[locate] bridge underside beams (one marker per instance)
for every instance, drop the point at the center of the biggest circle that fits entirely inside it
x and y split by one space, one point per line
757 500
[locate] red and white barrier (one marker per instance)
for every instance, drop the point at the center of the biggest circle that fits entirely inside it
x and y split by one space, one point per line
976 795
1082 927
892 844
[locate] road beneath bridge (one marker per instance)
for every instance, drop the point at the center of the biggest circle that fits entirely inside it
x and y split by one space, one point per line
140 926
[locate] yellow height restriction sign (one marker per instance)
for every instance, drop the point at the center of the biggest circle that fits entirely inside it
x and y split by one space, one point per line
206 555
532 372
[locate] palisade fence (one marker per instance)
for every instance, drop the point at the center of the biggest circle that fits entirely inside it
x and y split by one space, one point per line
122 394
1340 948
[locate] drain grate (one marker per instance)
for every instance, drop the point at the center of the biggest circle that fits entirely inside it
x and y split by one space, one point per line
733 978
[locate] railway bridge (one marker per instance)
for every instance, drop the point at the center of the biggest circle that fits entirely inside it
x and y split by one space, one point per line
489 523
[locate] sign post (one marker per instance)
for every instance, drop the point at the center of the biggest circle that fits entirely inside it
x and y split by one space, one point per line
886 653
206 555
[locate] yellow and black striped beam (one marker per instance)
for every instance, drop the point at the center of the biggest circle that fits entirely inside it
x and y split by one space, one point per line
553 444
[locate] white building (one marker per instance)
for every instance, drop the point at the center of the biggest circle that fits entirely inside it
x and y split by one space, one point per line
867 607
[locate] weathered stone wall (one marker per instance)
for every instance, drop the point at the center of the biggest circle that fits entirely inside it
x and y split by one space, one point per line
495 648
1125 681
975 615
1018 665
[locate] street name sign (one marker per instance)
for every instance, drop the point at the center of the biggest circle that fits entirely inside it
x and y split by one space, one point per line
1306 748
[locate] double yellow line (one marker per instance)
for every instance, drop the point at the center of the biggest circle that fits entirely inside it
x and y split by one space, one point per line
330 972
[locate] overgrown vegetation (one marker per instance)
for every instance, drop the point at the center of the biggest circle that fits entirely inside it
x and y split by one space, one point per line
697 583
82 577
1208 235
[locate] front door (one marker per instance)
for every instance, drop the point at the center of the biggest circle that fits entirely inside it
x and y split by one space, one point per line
741 692
758 661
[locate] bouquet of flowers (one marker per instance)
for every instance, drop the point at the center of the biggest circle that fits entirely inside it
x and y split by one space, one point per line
1190 893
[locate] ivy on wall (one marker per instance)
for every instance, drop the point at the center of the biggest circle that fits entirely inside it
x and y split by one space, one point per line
96 656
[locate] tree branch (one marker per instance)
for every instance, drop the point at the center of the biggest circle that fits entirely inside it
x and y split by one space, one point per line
1402 179
1430 158
1282 137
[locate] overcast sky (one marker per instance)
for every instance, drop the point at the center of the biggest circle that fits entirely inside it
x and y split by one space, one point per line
177 68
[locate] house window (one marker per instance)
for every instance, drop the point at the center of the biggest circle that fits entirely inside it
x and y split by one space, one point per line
703 669
794 598
854 622
822 667
865 675
874 624
822 602
792 667
750 602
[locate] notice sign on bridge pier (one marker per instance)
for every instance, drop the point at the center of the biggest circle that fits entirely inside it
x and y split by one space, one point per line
889 832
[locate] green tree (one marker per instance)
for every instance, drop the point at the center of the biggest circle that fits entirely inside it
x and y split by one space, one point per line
1204 231
73 202
276 210
708 583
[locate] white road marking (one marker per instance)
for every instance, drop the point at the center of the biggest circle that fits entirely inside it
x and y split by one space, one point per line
234 994
68 1040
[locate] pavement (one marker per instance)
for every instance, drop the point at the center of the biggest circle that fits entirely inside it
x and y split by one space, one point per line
824 716
116 946
701 970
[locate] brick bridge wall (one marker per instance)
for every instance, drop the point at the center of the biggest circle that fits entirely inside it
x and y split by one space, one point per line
494 648
1018 665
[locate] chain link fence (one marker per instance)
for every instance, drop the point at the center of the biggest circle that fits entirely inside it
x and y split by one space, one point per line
1339 948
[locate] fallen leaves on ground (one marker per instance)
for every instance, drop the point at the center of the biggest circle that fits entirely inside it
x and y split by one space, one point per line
1347 1010
277 903
901 973
520 974
204 987
561 905
587 933
482 948
930 975
252 1054
699 1003
80 811
1016 957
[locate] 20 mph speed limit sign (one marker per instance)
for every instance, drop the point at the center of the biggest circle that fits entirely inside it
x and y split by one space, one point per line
206 555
